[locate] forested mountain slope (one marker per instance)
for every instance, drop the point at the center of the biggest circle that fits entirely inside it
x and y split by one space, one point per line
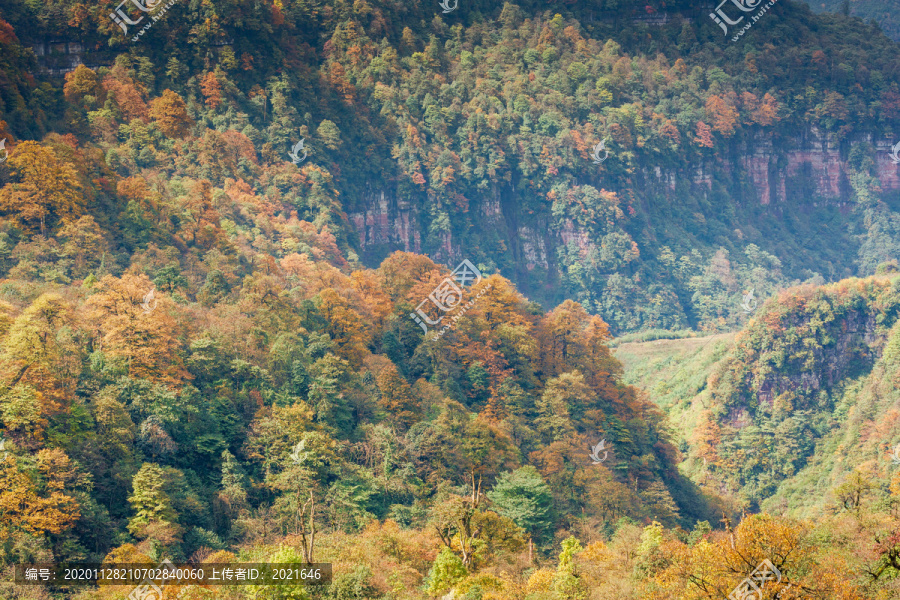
732 165
264 371
208 349
187 361
884 13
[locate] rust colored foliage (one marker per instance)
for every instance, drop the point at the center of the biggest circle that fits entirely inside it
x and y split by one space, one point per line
45 189
35 501
127 94
211 88
147 340
723 114
704 135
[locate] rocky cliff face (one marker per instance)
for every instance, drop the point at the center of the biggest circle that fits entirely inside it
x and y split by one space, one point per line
815 168
857 344
812 170
387 221
57 57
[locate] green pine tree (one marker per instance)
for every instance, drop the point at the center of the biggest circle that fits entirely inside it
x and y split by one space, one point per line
523 496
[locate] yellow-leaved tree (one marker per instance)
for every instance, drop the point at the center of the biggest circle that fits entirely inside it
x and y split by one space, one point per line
780 556
170 114
33 500
45 190
40 363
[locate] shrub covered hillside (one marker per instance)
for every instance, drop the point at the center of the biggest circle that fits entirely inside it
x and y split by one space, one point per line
468 135
802 399
805 398
795 415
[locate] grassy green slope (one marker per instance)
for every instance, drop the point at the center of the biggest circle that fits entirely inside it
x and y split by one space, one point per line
673 371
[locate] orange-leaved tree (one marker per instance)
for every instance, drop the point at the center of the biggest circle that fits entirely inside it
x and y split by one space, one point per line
212 90
138 328
345 326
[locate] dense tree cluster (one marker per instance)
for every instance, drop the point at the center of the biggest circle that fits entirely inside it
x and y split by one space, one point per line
870 10
191 369
489 114
786 386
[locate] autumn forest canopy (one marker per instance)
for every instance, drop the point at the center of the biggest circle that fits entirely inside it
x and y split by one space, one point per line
212 350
